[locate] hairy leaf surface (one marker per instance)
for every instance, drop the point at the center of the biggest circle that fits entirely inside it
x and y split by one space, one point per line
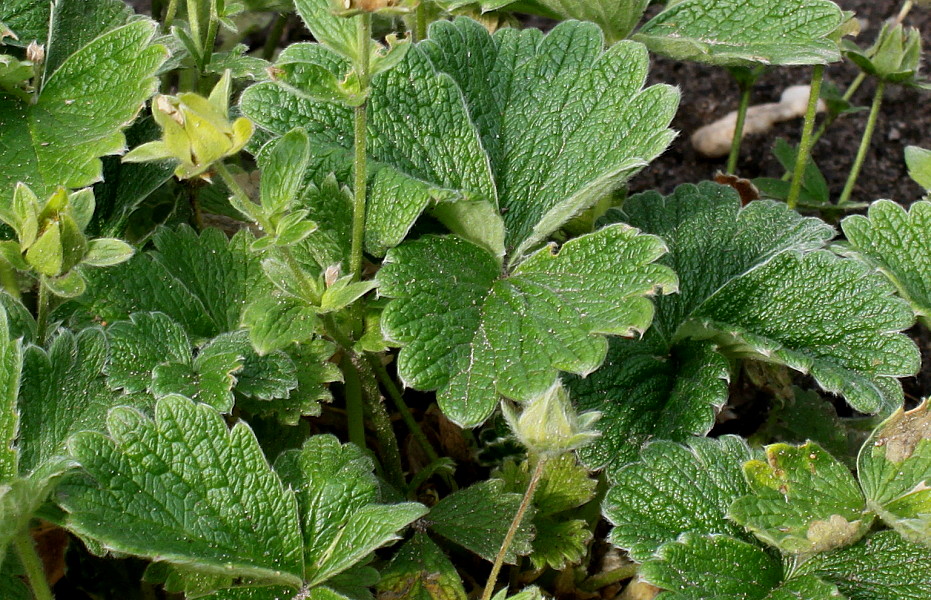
101 86
896 242
420 571
11 364
741 32
471 334
27 18
883 566
479 120
183 488
336 493
676 489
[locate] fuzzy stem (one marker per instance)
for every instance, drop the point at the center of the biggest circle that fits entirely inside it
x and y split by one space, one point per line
395 394
512 530
745 91
170 15
420 23
804 146
43 308
381 423
274 36
602 580
210 39
359 165
864 144
831 118
32 564
355 413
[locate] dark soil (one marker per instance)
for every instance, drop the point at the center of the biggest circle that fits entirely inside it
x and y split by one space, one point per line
709 93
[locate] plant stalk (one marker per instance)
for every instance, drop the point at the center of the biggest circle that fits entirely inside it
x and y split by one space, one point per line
170 15
864 144
420 22
43 308
906 8
210 39
359 165
381 423
355 412
745 91
240 200
512 530
32 564
602 580
804 147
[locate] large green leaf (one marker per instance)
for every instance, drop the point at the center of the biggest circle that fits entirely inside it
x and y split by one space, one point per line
184 488
477 123
676 489
742 32
473 334
200 281
894 467
76 23
700 567
896 242
336 493
617 18
882 566
79 113
802 501
420 571
27 18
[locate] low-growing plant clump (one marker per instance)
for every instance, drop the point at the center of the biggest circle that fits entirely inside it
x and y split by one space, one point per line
373 315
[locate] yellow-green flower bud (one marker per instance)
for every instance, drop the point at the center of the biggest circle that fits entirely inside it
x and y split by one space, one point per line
196 131
549 424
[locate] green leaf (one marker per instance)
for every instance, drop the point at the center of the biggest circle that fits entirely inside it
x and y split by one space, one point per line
29 19
269 377
802 501
208 379
804 416
43 148
420 571
882 566
277 320
201 281
919 165
745 32
504 142
76 23
106 252
895 242
645 391
336 33
184 489
676 489
63 391
344 292
699 567
478 517
616 18
11 364
137 346
283 171
894 467
336 494
512 335
774 296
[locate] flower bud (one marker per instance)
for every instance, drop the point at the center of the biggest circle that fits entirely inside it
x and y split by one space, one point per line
549 424
35 53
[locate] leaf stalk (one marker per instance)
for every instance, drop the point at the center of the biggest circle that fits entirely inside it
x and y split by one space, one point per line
745 92
512 530
804 147
43 308
32 564
359 166
864 144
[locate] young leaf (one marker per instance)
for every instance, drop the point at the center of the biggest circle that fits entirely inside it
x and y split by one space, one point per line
336 33
478 518
420 571
63 391
43 148
883 566
744 32
283 172
277 320
200 281
698 567
137 346
274 375
895 242
513 335
894 467
184 489
336 494
208 378
676 489
802 501
11 364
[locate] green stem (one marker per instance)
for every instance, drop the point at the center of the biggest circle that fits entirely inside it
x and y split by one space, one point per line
745 91
240 200
804 147
310 289
512 530
43 308
420 23
906 8
355 412
210 39
831 118
274 36
32 564
602 580
170 15
864 144
359 165
395 394
381 423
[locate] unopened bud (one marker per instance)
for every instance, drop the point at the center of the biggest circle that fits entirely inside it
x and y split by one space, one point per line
549 424
331 274
35 53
